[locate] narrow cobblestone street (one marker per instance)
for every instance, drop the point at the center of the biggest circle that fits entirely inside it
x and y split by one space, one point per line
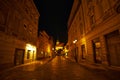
57 69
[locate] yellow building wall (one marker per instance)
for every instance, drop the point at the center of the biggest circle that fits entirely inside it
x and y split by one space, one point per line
18 27
106 20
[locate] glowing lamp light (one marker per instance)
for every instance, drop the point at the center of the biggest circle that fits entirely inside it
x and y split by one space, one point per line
75 41
66 54
30 47
53 49
57 48
32 50
41 52
48 49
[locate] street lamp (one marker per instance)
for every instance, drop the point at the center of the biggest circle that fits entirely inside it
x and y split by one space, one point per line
74 42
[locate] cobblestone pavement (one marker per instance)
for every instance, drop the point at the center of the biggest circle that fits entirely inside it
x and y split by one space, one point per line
57 69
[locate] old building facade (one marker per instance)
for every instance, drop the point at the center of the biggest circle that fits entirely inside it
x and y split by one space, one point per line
95 25
18 31
45 45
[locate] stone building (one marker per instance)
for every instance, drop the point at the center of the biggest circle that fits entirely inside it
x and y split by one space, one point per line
59 47
44 45
94 32
18 31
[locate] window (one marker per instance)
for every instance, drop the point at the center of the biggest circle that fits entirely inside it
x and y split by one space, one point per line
28 54
25 26
92 19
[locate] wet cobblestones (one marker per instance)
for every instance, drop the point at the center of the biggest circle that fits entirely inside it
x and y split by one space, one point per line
57 69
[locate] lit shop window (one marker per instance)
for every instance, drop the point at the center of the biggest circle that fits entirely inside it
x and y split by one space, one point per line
30 51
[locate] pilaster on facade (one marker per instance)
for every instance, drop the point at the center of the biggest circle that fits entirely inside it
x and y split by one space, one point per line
18 31
93 22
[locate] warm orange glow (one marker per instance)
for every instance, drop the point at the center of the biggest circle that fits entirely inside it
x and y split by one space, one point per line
57 48
66 54
53 49
97 44
48 49
75 41
59 45
83 40
65 50
57 42
32 49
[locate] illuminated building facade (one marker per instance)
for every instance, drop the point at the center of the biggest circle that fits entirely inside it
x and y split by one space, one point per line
95 24
59 47
18 31
44 45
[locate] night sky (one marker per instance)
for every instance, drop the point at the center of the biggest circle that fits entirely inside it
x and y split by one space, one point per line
54 15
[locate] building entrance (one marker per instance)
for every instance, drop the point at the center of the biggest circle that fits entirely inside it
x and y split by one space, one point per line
19 56
97 50
83 51
113 48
